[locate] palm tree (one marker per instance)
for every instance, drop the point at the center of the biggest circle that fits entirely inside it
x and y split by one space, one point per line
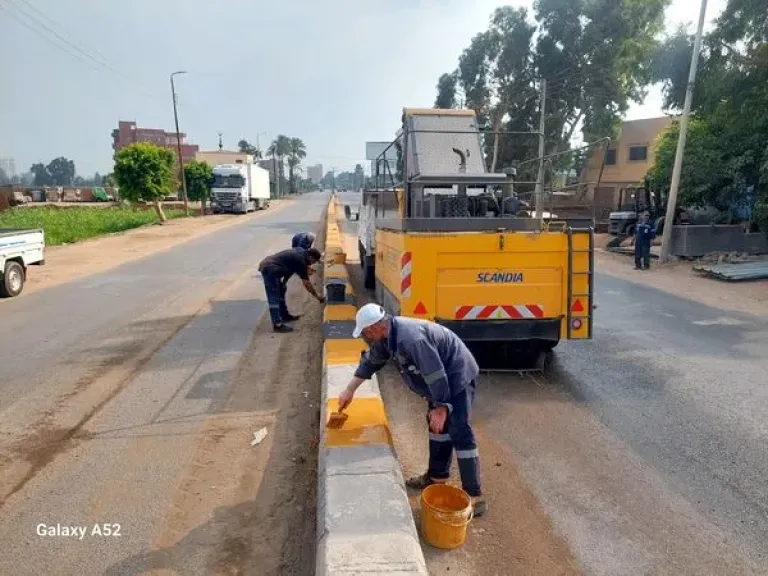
297 151
280 147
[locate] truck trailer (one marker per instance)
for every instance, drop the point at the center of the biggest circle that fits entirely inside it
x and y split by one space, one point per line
440 246
239 188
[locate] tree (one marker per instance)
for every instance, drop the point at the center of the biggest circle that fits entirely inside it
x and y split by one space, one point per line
297 152
109 180
62 171
359 177
41 176
247 148
446 91
594 55
279 149
145 172
730 108
199 176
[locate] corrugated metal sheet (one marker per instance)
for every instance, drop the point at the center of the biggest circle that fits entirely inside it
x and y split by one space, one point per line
736 272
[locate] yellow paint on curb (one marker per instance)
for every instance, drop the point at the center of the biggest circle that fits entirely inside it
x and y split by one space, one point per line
337 312
344 350
367 424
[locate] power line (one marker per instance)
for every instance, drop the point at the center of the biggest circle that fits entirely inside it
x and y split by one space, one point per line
62 43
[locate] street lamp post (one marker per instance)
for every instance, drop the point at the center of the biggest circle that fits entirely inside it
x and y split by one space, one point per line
178 143
258 146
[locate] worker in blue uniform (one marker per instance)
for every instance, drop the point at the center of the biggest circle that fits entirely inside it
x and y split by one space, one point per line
644 235
303 240
276 270
436 365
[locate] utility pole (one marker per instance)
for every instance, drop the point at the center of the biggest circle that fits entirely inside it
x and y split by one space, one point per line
540 179
666 236
221 144
178 143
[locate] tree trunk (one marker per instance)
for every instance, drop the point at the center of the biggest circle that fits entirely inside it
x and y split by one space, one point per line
202 206
160 214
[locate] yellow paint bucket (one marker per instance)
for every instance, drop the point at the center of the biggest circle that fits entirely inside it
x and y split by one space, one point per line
446 511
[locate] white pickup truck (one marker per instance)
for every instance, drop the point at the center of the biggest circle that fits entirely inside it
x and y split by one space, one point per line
18 250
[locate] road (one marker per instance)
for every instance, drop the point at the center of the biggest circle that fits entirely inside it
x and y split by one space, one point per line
130 397
645 447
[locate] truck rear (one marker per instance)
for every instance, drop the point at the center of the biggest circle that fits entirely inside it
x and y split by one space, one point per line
19 249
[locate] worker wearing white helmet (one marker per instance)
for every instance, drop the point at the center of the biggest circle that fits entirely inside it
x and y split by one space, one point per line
436 365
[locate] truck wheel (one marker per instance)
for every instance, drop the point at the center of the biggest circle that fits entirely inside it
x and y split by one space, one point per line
12 282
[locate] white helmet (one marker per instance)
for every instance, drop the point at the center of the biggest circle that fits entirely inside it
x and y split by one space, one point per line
367 316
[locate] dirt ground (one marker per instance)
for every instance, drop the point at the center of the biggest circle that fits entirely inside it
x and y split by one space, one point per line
515 536
680 278
67 263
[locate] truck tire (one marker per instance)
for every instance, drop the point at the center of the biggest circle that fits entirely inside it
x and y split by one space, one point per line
12 280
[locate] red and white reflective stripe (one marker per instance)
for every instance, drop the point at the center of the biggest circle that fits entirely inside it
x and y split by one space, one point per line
515 311
405 275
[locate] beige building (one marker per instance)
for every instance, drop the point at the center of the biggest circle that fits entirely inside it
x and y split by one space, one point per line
216 157
626 162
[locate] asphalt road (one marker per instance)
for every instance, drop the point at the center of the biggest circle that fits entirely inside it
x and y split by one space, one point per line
106 382
647 446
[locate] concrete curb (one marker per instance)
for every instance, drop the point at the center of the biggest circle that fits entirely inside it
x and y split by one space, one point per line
364 519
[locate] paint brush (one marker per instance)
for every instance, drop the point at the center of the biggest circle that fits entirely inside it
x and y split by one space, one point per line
336 420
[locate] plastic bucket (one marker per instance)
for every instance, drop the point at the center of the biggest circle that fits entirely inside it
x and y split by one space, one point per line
446 511
336 291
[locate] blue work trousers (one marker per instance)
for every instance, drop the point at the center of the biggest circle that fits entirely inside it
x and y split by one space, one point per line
275 289
642 254
458 435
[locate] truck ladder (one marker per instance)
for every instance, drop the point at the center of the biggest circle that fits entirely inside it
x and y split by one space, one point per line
589 273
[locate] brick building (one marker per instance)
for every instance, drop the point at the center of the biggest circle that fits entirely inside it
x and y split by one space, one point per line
128 133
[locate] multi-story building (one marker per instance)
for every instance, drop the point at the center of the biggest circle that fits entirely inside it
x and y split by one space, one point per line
128 133
315 173
627 161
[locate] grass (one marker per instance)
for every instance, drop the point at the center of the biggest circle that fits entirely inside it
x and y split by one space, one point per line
68 225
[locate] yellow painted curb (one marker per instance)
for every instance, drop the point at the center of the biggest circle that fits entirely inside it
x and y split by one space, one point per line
344 350
366 424
339 312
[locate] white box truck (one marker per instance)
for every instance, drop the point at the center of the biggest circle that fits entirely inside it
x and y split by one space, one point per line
18 250
239 188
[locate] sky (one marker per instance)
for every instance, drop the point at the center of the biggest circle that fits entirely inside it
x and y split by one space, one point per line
335 73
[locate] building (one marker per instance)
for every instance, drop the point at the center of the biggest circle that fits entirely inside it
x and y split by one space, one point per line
128 133
8 166
216 157
315 173
627 161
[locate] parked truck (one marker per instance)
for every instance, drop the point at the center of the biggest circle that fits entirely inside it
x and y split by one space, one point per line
19 249
439 245
239 188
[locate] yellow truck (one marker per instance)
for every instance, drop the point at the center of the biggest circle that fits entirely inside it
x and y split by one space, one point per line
443 246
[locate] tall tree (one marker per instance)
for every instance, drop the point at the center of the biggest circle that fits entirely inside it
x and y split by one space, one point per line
41 176
280 148
145 172
446 91
594 55
297 152
62 171
247 148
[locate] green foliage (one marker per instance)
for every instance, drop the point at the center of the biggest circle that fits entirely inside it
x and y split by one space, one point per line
41 176
296 152
731 106
247 148
68 225
594 54
446 91
198 176
144 172
62 171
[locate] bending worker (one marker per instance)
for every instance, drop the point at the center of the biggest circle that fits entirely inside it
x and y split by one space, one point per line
436 365
303 240
276 271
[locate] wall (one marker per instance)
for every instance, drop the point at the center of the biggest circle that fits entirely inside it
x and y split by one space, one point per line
696 241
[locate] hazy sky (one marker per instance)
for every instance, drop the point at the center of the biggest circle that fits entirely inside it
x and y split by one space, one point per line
333 72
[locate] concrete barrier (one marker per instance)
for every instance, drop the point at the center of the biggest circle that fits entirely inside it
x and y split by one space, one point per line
364 520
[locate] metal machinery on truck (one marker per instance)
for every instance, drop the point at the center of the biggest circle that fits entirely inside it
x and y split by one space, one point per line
445 246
